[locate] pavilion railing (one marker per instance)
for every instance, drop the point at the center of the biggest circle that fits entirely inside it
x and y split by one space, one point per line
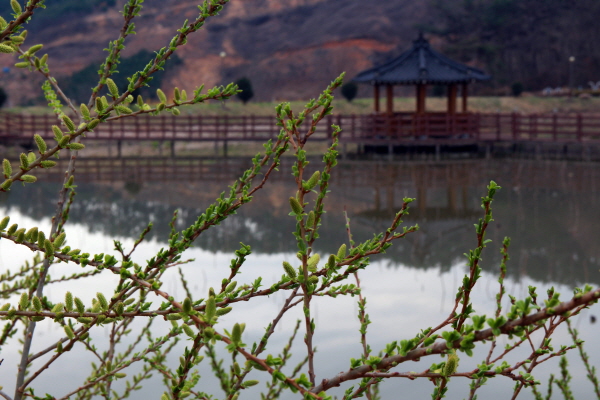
375 128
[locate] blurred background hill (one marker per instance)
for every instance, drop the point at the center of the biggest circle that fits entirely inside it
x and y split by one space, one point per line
291 49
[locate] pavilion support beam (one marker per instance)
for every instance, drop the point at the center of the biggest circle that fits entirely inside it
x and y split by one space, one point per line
465 94
376 98
390 99
452 92
421 93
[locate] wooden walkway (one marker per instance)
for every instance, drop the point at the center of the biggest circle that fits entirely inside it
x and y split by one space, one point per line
398 129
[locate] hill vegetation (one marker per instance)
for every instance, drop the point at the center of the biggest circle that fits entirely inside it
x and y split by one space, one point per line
527 42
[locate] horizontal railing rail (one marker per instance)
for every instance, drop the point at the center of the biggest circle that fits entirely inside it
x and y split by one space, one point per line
373 128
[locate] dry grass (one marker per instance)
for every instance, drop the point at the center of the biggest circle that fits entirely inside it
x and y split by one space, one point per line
526 104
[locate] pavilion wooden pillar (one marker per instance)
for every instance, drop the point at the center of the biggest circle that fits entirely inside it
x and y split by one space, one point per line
390 99
464 97
376 98
452 91
421 92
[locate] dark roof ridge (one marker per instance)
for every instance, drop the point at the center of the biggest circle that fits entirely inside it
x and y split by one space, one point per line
421 64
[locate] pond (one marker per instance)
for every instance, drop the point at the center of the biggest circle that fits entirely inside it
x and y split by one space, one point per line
549 209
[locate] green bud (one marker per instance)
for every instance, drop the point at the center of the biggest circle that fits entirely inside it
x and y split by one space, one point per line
5 307
177 94
175 111
24 301
210 310
187 305
102 300
23 64
68 123
100 318
223 311
31 157
85 111
236 333
32 235
296 207
112 88
13 228
41 144
76 146
123 110
44 59
47 163
183 95
4 223
173 317
161 96
313 279
120 308
35 48
41 239
310 220
64 141
48 248
24 161
17 39
451 365
16 7
7 168
69 301
57 308
6 184
79 305
331 262
59 240
312 262
58 133
341 254
3 23
85 320
99 105
312 182
289 270
20 235
28 178
209 333
230 287
6 49
140 101
37 303
93 123
69 332
188 331
160 107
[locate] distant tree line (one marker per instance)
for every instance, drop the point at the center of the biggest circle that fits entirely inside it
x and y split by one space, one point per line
523 41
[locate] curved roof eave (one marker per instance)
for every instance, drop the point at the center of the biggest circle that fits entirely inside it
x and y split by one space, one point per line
421 64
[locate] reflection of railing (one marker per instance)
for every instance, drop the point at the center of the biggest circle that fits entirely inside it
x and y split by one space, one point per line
374 128
404 176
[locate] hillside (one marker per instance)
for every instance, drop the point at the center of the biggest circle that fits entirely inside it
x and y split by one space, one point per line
291 49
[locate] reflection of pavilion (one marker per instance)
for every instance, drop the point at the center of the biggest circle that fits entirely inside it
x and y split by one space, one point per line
549 209
422 66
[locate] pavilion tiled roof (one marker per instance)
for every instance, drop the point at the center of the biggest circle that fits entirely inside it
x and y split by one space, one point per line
421 65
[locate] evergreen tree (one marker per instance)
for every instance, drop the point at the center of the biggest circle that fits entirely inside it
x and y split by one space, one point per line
245 86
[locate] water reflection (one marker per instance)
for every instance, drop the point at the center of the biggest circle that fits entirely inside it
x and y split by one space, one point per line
548 208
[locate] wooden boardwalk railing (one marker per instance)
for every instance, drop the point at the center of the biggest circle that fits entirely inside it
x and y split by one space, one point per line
400 128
